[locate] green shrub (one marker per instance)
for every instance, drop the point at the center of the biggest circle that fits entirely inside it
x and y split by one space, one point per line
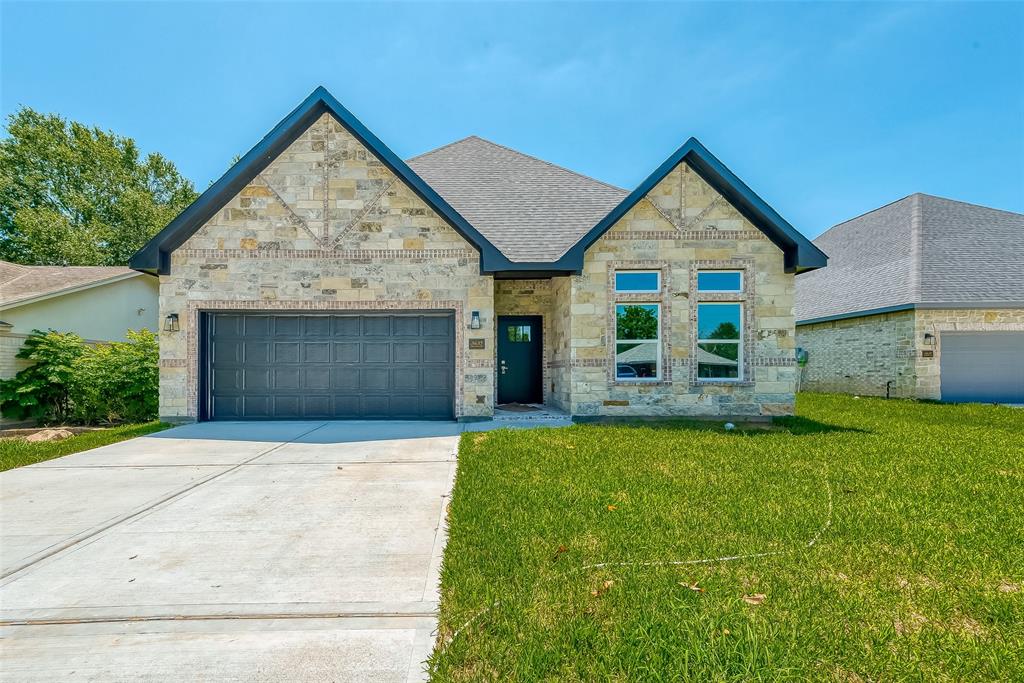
71 381
42 390
117 381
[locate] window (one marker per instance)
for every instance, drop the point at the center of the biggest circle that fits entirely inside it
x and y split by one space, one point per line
637 341
719 341
637 281
719 281
519 333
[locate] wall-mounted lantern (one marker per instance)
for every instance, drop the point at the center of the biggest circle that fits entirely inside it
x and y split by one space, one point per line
929 339
474 320
171 323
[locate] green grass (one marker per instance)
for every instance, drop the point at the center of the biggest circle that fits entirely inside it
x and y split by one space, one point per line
18 453
916 573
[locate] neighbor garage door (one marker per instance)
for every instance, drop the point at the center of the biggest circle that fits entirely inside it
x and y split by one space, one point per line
308 366
982 366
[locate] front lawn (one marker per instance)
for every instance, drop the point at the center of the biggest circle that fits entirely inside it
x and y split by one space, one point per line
879 541
16 452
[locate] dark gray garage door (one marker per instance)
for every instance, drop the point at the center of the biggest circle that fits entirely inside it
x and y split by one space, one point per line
308 366
986 367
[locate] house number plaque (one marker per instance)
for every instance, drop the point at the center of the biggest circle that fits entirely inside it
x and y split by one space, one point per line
477 343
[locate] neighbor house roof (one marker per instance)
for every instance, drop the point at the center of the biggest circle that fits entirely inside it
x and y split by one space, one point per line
532 210
521 213
20 284
921 251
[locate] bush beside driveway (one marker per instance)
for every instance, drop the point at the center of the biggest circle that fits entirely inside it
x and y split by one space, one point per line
865 540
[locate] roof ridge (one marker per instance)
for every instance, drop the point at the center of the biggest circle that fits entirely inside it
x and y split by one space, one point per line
442 147
959 201
916 235
552 164
527 156
866 213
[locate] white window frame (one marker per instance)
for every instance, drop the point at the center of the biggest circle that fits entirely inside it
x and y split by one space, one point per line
721 291
738 342
656 342
657 274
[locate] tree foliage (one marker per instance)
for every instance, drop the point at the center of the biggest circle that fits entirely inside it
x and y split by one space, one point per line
75 195
639 321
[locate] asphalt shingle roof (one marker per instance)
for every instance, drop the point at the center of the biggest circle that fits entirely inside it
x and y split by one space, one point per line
21 283
530 209
920 250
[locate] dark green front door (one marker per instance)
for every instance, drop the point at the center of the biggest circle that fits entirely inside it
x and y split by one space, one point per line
520 376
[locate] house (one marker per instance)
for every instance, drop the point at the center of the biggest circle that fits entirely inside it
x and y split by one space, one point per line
922 298
324 277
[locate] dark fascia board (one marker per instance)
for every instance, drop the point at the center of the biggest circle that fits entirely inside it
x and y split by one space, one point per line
921 306
857 314
800 253
154 257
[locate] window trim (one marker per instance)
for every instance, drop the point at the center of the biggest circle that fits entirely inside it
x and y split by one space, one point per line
615 281
739 343
657 342
738 271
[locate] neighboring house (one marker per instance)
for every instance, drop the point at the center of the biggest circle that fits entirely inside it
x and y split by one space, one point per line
324 277
922 298
97 303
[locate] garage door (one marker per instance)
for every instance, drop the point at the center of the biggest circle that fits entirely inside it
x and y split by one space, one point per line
986 367
309 366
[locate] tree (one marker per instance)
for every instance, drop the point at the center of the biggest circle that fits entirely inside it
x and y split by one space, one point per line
74 195
637 321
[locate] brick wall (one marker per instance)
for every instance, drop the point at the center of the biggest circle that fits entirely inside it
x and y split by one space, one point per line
682 226
325 227
859 355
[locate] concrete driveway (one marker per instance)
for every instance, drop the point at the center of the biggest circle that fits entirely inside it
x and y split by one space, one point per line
259 551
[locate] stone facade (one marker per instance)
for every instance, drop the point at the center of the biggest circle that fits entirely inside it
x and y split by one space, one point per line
682 226
326 226
937 321
861 355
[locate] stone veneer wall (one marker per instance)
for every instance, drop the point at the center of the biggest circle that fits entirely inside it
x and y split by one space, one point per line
527 297
682 226
937 321
860 355
561 343
326 226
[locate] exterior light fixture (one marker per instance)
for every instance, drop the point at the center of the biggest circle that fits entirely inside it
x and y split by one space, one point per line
474 320
929 339
171 323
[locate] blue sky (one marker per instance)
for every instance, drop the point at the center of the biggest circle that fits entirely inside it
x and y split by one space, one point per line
826 110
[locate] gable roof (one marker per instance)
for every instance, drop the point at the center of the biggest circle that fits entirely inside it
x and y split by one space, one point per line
155 255
920 251
800 253
519 216
20 285
530 209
